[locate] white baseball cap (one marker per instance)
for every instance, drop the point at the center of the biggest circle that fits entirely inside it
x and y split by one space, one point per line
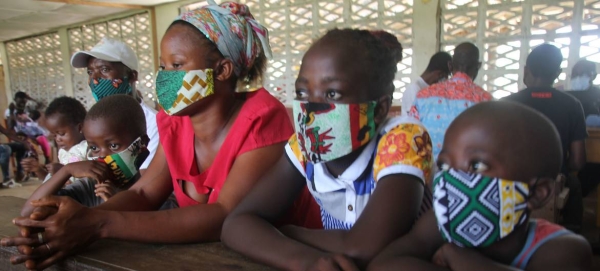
107 49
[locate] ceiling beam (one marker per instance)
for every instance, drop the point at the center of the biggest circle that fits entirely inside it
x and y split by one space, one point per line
97 4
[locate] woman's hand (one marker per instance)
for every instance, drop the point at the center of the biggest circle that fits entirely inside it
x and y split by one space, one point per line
69 230
91 169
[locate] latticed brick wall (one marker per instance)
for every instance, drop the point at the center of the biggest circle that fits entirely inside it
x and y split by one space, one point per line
294 24
507 30
36 67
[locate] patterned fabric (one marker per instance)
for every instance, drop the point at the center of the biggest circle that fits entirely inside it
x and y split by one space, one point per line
439 104
125 164
76 153
540 231
328 131
233 29
102 88
177 90
473 210
343 198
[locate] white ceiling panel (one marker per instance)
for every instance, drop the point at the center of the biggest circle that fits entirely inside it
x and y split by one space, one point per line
20 18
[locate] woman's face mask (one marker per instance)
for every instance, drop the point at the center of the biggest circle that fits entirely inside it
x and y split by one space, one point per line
105 87
177 90
473 210
581 82
329 131
125 164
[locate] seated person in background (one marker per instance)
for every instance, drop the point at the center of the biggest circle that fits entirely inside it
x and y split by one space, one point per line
437 70
367 172
27 124
437 105
23 102
115 130
490 181
42 139
64 119
541 70
583 89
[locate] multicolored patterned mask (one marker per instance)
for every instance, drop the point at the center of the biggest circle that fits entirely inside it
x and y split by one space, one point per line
105 87
329 131
125 164
473 210
177 90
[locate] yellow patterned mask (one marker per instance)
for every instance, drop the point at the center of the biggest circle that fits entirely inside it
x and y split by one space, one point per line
177 90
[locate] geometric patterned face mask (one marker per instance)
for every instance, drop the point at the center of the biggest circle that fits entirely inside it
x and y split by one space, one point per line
177 90
105 87
473 210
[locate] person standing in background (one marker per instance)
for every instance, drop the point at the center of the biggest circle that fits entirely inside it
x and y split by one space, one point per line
541 70
582 87
437 70
437 105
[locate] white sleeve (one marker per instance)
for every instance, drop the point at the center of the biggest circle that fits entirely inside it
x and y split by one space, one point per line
408 99
152 132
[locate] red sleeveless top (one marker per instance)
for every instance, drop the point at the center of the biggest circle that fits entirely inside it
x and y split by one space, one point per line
540 232
262 121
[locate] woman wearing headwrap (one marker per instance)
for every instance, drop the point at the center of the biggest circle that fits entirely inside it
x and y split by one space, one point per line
215 143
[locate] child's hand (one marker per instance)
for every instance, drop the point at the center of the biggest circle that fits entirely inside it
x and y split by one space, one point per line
105 190
53 167
334 262
92 169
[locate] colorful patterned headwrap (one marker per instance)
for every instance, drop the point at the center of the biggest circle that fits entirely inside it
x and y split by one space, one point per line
233 29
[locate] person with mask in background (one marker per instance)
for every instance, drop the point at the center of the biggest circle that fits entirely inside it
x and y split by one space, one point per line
112 67
582 87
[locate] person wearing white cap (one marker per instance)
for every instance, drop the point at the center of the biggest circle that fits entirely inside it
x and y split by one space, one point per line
112 69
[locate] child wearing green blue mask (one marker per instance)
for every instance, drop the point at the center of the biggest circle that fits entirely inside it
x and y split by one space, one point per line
493 172
366 172
115 131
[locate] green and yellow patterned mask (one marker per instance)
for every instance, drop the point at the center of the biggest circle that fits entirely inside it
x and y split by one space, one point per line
177 90
473 210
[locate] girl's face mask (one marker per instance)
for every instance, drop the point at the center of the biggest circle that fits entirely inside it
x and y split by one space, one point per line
329 131
105 87
176 90
473 210
125 164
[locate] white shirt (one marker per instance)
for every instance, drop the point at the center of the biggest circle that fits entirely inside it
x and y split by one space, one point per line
151 131
410 94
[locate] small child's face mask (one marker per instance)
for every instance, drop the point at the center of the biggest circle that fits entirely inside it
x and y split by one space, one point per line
125 164
177 90
473 210
102 88
329 131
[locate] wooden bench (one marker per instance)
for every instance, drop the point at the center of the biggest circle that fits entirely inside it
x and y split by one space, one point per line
121 255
